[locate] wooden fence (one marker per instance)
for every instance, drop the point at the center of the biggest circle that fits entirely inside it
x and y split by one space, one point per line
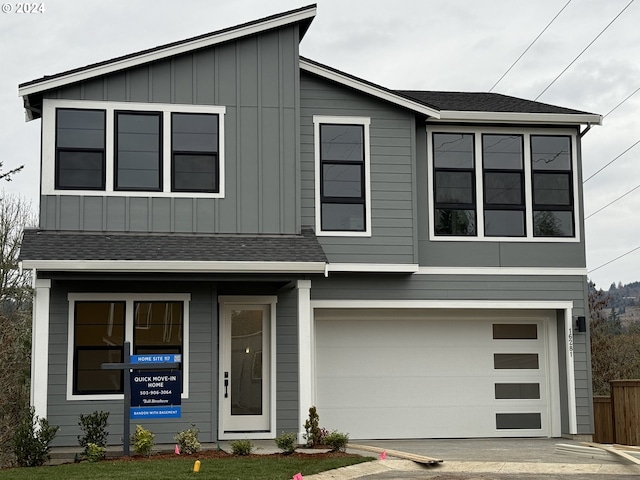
617 418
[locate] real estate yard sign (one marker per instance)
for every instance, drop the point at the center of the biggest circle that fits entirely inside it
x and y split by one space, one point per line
155 394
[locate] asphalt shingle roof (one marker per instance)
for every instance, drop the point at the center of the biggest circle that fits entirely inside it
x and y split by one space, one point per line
482 102
51 245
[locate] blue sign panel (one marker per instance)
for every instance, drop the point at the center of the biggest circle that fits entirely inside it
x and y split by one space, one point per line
140 413
157 358
156 394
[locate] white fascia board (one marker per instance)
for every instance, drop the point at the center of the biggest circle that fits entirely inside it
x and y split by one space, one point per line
447 304
166 52
369 89
516 117
552 271
373 267
173 266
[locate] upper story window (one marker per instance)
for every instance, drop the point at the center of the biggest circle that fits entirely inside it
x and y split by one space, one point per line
342 176
116 148
80 141
490 184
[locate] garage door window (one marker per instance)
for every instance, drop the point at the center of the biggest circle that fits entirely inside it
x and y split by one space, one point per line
515 331
515 361
517 391
518 421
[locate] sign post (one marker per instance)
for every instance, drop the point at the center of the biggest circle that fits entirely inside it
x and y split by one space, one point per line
147 362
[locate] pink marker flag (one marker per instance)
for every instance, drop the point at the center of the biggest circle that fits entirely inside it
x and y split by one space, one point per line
177 450
298 476
383 456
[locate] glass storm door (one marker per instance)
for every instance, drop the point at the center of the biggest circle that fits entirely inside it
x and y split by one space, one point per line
244 364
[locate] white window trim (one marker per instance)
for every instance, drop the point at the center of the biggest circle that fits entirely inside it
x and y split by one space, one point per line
526 134
365 122
128 298
49 107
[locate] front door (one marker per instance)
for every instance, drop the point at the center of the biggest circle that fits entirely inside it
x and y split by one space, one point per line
245 367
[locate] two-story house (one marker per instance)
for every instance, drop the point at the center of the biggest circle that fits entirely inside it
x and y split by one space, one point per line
410 262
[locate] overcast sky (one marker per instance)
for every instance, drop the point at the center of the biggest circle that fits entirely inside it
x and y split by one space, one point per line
458 45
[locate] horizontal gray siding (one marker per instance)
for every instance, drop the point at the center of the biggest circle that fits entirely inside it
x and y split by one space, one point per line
256 78
392 173
201 406
487 253
480 287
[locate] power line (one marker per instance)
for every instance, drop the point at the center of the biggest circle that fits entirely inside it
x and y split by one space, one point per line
611 203
617 258
530 45
585 181
585 49
611 111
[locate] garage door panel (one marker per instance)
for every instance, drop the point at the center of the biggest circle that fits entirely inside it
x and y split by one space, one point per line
429 376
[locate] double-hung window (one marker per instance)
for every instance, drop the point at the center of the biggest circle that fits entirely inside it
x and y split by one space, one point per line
342 176
99 324
163 150
492 183
80 149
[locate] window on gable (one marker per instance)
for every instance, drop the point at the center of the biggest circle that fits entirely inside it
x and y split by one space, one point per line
504 206
80 156
454 183
194 139
100 329
342 178
552 186
138 151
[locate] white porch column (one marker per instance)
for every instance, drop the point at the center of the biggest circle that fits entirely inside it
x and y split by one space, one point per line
40 346
305 354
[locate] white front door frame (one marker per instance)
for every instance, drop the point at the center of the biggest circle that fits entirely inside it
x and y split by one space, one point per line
247 300
552 360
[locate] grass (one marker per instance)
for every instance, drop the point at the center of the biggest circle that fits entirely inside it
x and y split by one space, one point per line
255 467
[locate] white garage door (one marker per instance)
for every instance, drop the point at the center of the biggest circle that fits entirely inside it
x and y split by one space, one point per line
407 373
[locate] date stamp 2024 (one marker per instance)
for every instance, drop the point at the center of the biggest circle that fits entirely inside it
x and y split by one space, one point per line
22 8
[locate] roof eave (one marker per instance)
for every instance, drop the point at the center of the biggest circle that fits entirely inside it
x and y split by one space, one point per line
519 117
367 88
169 51
144 266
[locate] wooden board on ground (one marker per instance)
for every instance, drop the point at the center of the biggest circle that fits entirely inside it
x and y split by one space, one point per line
630 448
615 451
396 453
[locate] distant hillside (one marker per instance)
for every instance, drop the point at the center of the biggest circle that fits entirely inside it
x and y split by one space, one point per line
622 300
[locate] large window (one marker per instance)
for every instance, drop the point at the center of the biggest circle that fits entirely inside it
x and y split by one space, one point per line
101 323
138 151
492 184
342 176
552 186
80 141
159 150
454 183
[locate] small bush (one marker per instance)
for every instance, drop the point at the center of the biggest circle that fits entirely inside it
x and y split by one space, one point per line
31 440
94 452
337 441
287 442
142 441
312 429
188 440
241 447
94 426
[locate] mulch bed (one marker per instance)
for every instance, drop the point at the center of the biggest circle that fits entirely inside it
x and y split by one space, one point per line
219 454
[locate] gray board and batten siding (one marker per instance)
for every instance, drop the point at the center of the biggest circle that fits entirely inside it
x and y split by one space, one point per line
256 78
525 288
392 154
201 408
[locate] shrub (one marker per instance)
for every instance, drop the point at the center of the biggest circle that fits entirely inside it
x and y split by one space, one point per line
142 440
31 440
287 442
188 440
312 429
94 452
337 441
241 447
94 426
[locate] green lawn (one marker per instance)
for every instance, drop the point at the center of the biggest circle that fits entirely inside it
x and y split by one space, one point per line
229 468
